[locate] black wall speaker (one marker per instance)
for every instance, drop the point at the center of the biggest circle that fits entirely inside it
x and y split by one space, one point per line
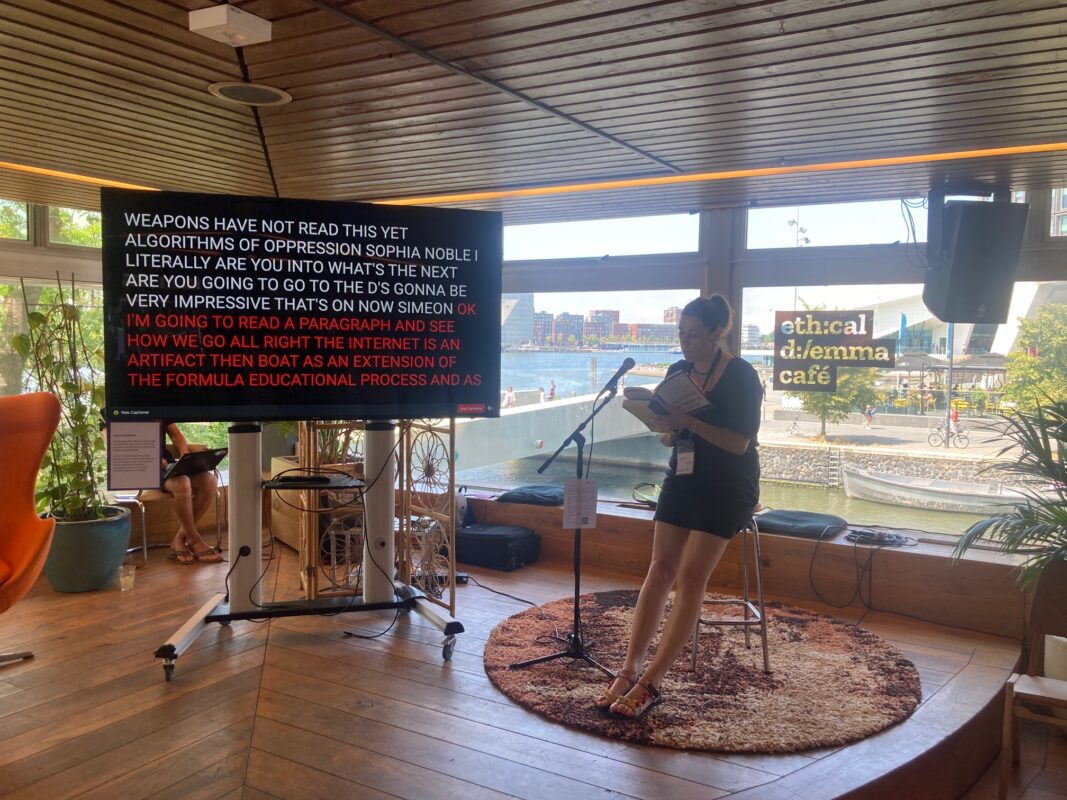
971 279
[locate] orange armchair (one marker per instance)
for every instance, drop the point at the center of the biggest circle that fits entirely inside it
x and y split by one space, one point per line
27 424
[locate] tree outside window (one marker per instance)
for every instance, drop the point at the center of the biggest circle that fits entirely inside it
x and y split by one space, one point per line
74 226
13 220
1037 366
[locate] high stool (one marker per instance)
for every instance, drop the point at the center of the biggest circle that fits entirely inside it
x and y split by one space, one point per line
753 617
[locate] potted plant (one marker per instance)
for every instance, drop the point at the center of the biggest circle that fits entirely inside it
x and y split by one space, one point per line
1036 526
91 536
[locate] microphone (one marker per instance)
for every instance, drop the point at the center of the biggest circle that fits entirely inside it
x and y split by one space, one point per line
613 383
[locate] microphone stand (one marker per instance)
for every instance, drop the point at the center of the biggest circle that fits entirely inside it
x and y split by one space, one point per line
577 648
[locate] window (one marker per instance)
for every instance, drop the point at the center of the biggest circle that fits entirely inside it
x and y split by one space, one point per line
13 220
74 226
14 377
568 345
898 451
1059 212
670 233
837 224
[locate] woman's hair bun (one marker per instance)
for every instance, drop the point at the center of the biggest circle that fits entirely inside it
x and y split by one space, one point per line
714 312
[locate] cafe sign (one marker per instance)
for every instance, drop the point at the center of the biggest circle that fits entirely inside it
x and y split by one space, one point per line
809 346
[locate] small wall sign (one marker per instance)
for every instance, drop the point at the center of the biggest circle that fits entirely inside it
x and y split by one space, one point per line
809 346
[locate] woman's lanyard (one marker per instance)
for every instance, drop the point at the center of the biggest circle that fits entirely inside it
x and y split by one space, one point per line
684 446
710 372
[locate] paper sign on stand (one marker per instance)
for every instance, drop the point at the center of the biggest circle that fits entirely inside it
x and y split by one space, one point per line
579 503
134 453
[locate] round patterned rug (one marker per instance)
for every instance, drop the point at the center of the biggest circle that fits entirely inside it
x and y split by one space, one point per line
831 683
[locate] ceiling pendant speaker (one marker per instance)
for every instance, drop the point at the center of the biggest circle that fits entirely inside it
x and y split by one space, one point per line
250 94
972 277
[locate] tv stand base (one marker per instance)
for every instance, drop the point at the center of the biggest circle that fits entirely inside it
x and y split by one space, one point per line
217 609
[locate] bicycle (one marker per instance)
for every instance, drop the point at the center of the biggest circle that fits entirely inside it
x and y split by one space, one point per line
794 429
959 436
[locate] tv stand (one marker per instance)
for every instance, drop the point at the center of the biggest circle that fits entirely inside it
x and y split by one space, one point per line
246 544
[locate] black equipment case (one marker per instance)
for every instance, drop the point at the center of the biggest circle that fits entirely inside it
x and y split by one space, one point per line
504 547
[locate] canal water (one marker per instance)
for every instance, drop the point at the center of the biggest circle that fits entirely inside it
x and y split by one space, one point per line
574 373
617 481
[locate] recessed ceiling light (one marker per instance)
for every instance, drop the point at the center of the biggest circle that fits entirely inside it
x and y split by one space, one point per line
250 94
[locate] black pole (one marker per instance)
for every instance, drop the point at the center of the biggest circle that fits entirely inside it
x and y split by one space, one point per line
577 648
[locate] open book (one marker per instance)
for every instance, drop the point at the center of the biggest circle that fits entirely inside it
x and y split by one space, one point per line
677 390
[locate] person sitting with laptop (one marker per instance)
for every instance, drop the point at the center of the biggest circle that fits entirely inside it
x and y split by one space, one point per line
193 495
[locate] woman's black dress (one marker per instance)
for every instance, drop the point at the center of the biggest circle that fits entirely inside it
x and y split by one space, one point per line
724 488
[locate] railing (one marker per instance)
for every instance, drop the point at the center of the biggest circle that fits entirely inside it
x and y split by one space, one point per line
969 402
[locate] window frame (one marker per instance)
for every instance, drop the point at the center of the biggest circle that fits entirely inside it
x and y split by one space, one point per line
44 226
31 232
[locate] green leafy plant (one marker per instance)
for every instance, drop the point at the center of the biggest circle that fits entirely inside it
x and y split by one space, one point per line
338 441
59 360
1036 527
855 390
1037 367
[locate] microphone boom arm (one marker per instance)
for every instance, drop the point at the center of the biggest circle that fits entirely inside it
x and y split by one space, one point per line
576 435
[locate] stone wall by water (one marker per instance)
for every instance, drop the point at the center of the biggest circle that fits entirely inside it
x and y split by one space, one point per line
815 463
809 462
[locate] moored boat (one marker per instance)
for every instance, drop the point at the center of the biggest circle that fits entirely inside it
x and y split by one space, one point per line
930 493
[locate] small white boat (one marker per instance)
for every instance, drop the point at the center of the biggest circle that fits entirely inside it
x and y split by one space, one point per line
931 493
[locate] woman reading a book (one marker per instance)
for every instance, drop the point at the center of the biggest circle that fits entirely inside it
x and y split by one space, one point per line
708 495
193 495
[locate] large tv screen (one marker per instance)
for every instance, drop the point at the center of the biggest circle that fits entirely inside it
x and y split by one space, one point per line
222 308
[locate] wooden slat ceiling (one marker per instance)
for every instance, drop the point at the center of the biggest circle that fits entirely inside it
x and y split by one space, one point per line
400 98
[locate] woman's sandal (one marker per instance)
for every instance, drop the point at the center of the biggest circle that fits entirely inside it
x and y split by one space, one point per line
209 556
609 698
633 708
182 556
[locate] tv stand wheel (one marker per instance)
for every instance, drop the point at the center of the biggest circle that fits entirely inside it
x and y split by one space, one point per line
224 623
404 611
449 647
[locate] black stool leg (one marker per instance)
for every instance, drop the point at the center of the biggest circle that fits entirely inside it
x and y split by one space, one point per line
759 593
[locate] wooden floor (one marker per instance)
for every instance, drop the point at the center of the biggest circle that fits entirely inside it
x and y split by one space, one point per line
289 709
1042 772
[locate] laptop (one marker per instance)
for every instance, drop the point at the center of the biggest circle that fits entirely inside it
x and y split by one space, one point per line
195 463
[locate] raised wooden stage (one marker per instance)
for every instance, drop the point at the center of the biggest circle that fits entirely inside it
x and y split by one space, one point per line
290 709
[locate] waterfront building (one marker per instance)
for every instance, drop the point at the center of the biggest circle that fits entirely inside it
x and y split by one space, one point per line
602 314
598 324
542 328
516 320
654 332
1059 213
567 329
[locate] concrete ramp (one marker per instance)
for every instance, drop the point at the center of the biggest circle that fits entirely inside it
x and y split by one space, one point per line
538 429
